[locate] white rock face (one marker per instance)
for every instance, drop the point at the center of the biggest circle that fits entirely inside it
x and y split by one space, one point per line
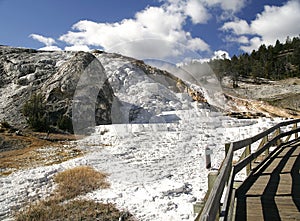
55 75
145 92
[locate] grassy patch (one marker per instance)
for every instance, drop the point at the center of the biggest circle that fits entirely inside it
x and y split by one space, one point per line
36 153
73 211
33 150
62 206
79 180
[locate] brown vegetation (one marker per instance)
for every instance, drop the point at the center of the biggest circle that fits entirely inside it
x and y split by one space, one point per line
72 183
79 180
33 149
72 211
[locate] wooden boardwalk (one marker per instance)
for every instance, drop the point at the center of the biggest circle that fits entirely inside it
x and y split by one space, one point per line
273 192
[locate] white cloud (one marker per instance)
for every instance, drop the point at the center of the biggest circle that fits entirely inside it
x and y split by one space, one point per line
240 39
49 42
227 5
238 27
253 44
243 40
197 12
154 32
50 48
274 23
278 22
196 44
42 39
220 54
77 48
158 20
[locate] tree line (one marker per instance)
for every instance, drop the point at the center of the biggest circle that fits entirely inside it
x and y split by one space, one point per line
276 62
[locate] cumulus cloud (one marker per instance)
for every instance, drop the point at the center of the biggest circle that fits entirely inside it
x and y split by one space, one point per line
238 27
278 22
254 44
220 54
42 39
274 23
155 31
49 42
50 48
240 39
198 13
77 48
227 5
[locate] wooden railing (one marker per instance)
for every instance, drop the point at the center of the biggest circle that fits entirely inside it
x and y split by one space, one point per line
213 208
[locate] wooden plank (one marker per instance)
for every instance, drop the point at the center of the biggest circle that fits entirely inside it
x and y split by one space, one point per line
272 165
275 185
289 164
256 188
281 208
283 152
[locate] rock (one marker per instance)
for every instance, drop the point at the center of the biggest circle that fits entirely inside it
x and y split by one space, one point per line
171 206
177 190
193 199
184 216
55 75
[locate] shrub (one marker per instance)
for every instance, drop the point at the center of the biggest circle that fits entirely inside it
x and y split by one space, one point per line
79 180
65 123
72 183
5 124
72 211
35 112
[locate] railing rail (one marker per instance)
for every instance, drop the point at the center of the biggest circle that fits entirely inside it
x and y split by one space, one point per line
212 209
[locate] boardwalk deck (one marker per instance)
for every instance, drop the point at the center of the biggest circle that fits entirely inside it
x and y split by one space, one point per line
272 192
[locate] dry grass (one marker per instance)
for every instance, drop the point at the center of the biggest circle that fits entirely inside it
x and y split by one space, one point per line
32 151
79 180
72 211
72 183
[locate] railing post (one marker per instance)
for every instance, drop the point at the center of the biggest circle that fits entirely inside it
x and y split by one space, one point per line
296 134
267 152
207 157
212 176
247 153
277 133
227 146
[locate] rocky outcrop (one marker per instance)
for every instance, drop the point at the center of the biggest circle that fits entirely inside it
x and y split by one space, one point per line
87 89
56 75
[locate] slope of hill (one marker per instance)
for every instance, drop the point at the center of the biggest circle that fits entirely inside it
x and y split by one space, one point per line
55 75
155 148
274 98
125 90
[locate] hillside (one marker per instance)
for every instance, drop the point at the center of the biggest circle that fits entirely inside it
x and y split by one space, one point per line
54 75
148 128
274 98
95 88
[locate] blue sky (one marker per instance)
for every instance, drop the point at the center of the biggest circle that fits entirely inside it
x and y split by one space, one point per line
149 28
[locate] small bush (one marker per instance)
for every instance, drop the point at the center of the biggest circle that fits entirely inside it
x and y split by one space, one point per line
5 124
65 123
35 111
72 211
79 180
72 183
